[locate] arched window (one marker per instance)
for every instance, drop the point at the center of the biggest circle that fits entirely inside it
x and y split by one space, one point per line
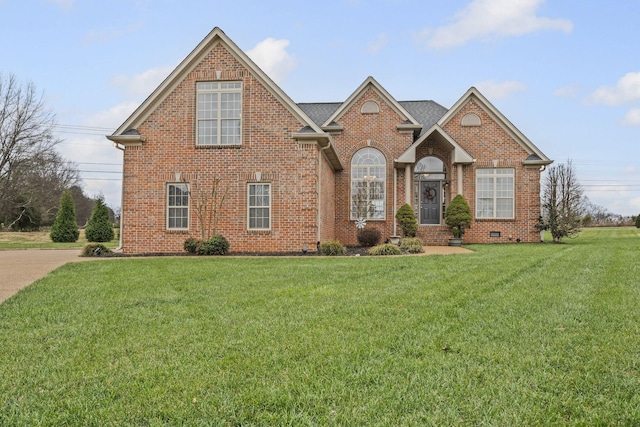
429 168
368 183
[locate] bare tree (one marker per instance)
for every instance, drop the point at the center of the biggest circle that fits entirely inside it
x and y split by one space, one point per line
27 142
562 202
207 205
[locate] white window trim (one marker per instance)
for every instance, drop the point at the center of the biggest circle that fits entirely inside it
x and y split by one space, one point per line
169 207
383 180
219 90
249 206
494 175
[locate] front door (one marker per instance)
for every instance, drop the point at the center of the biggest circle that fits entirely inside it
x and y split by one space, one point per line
430 202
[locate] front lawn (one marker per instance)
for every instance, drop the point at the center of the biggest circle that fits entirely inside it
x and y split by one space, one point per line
510 335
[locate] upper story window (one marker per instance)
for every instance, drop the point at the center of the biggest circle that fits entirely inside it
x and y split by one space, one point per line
368 183
495 193
219 112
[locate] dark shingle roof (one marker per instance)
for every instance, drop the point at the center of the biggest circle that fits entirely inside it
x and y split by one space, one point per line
427 113
319 112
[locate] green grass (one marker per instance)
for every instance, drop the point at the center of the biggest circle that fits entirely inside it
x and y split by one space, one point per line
10 240
509 335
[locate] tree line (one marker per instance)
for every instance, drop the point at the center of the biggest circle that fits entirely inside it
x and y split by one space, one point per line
33 175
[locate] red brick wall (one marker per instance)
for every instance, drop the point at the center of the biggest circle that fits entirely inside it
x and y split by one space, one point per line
267 147
360 131
487 143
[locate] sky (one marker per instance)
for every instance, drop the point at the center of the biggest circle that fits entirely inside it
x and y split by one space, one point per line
566 73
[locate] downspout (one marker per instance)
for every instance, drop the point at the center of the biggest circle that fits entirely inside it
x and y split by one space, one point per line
119 248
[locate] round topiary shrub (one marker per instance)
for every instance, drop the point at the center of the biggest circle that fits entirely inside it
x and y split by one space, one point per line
411 245
407 220
96 250
99 228
217 245
369 237
385 249
65 228
191 245
332 248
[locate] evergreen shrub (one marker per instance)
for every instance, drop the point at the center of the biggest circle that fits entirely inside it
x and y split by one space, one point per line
65 227
407 220
99 228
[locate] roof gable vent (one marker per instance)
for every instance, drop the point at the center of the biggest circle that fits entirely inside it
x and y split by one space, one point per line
471 119
370 107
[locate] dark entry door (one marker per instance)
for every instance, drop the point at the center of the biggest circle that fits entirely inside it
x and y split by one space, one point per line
429 202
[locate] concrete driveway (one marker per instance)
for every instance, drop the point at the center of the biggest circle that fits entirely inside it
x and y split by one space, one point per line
20 268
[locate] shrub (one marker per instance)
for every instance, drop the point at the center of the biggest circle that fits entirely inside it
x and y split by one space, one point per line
638 221
191 245
407 220
217 245
99 228
411 245
458 215
369 237
65 227
385 249
332 248
96 249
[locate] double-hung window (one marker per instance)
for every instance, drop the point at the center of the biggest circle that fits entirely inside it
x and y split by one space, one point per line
495 193
219 112
177 207
259 206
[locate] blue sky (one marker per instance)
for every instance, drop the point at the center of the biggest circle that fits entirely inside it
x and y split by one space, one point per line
566 73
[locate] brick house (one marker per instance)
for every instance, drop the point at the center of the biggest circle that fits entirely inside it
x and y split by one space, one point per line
296 174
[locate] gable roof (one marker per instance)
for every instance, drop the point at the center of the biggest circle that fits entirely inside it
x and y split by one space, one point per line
459 154
426 112
188 64
536 157
370 82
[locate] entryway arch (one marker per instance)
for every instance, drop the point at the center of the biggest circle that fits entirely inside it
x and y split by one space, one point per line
429 179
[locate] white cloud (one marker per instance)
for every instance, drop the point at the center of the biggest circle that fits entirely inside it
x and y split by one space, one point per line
492 19
142 84
271 55
571 91
379 44
626 90
632 118
113 117
498 90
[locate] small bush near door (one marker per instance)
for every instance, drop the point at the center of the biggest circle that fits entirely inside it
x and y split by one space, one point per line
369 237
